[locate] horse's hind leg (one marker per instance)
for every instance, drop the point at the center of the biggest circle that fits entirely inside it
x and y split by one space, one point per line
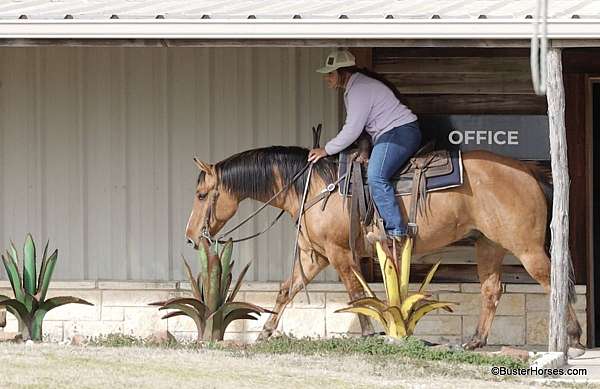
537 264
284 297
489 268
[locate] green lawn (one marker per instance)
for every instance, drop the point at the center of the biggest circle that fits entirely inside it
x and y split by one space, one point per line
272 366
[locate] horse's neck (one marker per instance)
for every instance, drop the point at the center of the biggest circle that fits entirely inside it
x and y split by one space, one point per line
284 202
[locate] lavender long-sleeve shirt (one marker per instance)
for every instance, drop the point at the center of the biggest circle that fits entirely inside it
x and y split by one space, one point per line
372 106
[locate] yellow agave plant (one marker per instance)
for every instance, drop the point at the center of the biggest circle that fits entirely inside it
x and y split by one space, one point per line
401 312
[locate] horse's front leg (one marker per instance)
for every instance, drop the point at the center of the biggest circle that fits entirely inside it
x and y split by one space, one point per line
284 297
489 268
344 264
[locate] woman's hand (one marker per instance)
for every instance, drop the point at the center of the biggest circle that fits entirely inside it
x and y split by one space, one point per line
315 154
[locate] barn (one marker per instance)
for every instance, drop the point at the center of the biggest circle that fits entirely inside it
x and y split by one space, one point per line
103 104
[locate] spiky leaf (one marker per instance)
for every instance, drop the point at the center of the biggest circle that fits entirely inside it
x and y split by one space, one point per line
238 315
203 261
42 267
367 311
190 312
227 308
18 309
429 277
419 313
214 299
390 276
364 284
404 275
409 304
13 276
370 302
238 284
13 252
194 284
30 302
29 265
173 314
396 324
226 266
200 307
47 276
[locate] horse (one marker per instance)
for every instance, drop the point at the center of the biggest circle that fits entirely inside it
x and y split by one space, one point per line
501 202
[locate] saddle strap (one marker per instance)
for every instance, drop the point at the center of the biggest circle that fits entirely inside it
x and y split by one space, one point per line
418 193
355 201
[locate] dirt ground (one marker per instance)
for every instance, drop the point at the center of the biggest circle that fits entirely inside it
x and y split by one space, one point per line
61 366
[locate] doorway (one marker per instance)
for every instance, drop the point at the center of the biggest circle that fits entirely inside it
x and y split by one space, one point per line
594 99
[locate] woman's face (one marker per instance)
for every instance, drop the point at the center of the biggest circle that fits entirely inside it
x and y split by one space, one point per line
332 79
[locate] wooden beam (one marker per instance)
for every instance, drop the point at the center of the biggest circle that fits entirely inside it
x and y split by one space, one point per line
485 43
561 266
468 83
453 65
515 274
510 104
364 56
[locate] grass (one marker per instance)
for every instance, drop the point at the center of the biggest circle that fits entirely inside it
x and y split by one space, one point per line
121 361
58 366
376 346
411 348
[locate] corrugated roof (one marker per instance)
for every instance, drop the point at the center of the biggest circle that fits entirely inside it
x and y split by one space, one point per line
288 9
292 19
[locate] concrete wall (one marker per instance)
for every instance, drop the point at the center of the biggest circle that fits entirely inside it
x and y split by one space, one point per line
96 148
121 307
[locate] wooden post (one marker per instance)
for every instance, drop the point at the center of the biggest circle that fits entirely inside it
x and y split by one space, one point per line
2 317
559 251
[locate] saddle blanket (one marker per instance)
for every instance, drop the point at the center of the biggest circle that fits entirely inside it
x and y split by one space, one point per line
403 183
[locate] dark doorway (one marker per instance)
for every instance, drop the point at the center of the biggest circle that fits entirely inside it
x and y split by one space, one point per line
596 204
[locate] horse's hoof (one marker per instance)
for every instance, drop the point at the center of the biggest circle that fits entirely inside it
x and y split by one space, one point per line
264 335
372 334
473 344
575 351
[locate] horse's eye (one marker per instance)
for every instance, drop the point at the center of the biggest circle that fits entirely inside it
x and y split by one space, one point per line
201 196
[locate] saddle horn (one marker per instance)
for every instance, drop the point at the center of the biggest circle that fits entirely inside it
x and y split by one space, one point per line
317 135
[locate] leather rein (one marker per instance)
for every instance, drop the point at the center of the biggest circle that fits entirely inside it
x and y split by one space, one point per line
210 213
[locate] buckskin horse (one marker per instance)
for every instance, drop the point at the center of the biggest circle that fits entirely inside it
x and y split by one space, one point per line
501 203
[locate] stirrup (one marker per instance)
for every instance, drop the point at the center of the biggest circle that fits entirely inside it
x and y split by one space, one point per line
412 229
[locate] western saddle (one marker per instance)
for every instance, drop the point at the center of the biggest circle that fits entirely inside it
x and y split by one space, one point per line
410 179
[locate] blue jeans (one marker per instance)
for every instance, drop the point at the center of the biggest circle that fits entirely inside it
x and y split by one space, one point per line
390 152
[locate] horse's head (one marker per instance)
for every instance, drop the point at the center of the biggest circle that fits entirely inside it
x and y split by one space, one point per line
212 207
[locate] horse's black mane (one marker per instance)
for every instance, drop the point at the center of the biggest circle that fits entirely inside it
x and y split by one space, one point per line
250 173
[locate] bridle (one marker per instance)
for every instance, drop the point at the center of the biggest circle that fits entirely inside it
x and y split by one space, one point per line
210 215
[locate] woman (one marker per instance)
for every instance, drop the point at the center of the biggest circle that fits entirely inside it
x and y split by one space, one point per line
372 104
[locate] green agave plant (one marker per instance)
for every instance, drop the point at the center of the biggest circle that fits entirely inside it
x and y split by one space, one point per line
29 304
212 306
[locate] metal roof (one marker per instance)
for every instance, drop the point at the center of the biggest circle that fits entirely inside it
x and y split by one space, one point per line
301 19
288 9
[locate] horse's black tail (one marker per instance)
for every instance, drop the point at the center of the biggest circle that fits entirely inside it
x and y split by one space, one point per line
544 179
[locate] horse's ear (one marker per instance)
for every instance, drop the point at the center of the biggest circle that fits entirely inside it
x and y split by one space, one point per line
205 167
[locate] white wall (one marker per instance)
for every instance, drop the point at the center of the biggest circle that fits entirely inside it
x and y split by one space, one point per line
97 145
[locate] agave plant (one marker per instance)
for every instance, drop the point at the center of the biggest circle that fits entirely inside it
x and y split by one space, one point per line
212 306
29 304
401 312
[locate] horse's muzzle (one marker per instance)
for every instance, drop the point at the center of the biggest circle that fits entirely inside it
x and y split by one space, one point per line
191 243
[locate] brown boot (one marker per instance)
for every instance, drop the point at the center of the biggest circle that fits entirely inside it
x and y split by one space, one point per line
396 244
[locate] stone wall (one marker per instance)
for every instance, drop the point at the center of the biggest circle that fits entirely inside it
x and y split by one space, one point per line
121 307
